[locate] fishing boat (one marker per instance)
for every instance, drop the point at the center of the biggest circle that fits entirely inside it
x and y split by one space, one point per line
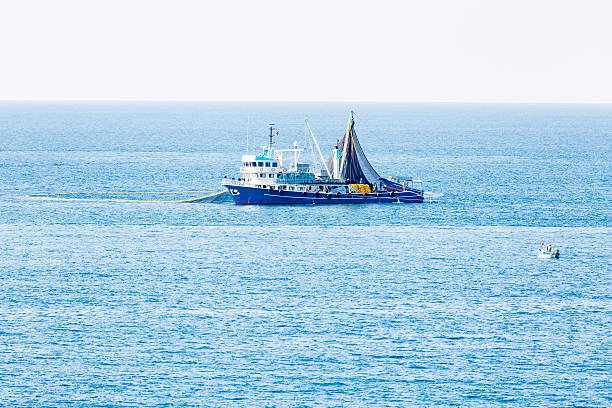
277 176
548 252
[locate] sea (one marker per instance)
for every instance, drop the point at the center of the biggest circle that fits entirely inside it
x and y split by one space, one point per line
444 303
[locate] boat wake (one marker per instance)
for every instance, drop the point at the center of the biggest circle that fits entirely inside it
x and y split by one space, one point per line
430 195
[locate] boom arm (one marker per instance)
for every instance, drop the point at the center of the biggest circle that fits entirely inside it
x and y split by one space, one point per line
317 145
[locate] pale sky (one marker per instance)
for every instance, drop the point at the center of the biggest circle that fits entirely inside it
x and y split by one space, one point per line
425 50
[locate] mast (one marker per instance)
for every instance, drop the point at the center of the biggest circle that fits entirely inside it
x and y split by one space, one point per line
271 136
354 165
347 135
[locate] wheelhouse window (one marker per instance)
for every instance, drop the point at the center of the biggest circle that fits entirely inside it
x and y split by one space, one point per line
253 164
267 164
260 164
274 164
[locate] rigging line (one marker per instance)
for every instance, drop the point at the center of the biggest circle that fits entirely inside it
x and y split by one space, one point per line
247 133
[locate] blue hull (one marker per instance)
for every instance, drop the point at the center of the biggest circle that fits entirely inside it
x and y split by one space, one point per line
254 196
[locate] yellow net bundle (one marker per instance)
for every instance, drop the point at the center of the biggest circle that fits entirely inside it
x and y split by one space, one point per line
361 188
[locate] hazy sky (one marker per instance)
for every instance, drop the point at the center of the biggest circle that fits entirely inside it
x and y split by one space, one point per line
425 50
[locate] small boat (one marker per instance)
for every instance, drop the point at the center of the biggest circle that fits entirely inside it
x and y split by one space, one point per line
548 252
346 177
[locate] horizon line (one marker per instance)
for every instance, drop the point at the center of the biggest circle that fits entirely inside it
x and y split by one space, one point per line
540 102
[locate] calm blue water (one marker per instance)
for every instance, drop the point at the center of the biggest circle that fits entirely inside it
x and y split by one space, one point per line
439 304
